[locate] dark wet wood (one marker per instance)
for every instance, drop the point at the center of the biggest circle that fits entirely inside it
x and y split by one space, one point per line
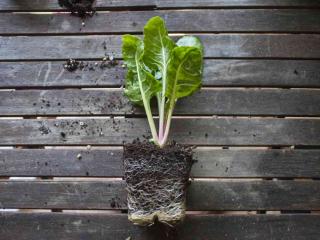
216 46
198 131
230 73
244 20
210 163
202 195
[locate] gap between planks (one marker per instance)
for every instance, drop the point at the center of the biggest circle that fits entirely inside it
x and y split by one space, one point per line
53 179
188 212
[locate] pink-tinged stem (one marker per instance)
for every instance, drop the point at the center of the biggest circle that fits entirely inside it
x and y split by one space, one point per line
160 129
161 118
164 139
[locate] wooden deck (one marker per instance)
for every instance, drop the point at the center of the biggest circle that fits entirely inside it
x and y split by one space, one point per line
256 122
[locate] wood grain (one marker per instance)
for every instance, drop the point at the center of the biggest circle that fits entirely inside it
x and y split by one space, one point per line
235 3
221 101
217 73
216 46
195 131
210 163
66 226
255 47
22 5
51 5
202 195
244 20
61 162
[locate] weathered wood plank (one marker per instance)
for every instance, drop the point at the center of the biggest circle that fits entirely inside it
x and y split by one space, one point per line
202 195
59 162
53 74
210 163
216 46
265 73
257 195
197 131
222 101
21 5
235 3
256 163
63 194
25 5
248 20
69 226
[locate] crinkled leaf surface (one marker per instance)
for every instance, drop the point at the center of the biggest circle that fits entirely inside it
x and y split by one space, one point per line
159 66
158 45
190 41
140 84
185 68
184 72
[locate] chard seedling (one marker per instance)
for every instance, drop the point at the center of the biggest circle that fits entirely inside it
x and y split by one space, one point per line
163 69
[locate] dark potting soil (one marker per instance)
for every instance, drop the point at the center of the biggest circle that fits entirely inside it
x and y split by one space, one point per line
72 65
156 178
81 8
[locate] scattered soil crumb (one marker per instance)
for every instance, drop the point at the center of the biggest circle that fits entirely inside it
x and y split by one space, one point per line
80 8
115 202
104 45
71 65
79 156
107 62
44 130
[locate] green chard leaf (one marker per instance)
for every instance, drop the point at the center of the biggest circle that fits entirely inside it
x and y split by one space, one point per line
157 66
184 75
158 51
190 41
158 45
140 84
185 68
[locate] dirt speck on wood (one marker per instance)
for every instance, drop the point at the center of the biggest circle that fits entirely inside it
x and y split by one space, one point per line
115 202
44 130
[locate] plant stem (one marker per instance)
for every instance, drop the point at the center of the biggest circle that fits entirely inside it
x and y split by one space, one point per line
151 124
162 109
172 103
160 112
147 108
163 141
163 97
159 101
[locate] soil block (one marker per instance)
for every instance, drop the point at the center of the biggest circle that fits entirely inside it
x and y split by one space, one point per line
156 180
